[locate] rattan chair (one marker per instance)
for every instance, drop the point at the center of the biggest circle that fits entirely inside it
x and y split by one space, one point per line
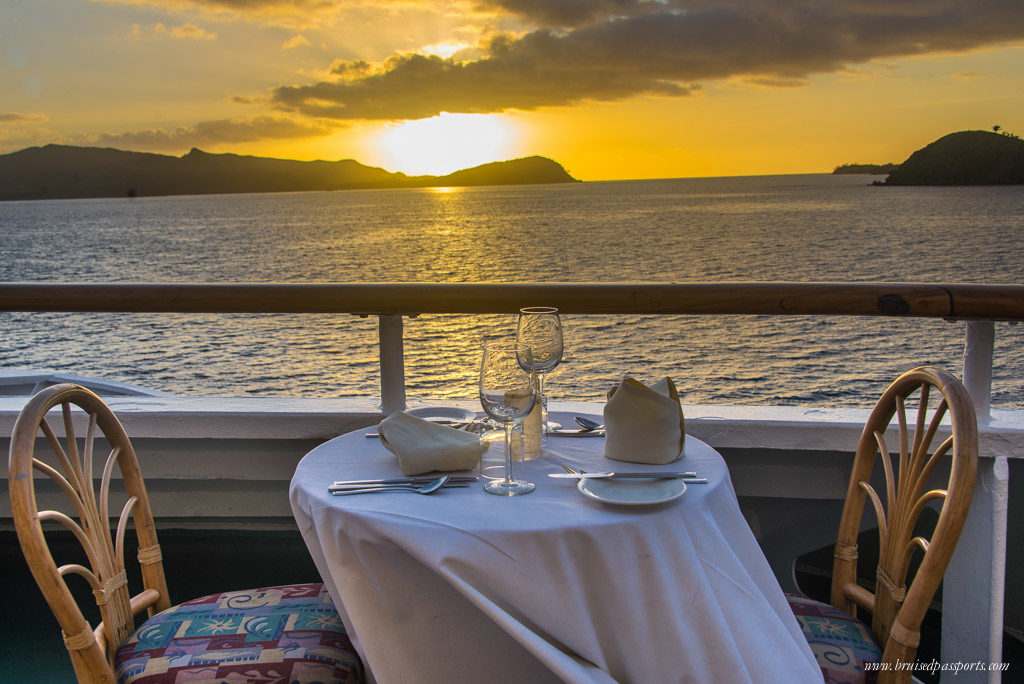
897 606
287 633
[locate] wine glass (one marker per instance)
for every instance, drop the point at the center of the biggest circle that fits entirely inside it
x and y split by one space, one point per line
540 330
507 394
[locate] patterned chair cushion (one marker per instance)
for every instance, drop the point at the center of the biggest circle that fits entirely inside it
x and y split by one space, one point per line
840 642
289 634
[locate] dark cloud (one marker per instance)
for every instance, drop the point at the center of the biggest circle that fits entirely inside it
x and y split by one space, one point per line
574 12
14 117
775 82
208 133
419 86
612 49
353 68
256 6
292 13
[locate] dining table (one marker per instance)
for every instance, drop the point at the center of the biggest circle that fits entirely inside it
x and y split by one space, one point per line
552 586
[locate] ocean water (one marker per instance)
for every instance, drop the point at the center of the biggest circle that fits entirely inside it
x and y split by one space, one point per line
798 228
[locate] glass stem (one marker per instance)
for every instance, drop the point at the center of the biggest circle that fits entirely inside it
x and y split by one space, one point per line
543 399
508 452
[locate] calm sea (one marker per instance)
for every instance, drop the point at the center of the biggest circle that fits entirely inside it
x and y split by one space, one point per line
801 228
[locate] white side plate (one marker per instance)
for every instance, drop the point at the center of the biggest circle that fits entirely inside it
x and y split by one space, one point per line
632 492
443 413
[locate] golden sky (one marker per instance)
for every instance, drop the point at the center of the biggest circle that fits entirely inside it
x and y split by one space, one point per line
612 89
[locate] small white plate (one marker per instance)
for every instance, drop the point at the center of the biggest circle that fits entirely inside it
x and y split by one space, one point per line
632 492
443 413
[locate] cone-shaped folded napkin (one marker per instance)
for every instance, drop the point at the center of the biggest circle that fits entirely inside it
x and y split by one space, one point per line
422 446
644 424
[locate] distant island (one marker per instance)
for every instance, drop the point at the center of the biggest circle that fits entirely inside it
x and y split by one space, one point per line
964 158
66 172
869 169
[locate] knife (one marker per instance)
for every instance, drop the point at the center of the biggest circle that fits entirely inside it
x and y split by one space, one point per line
456 424
560 432
654 475
401 480
388 487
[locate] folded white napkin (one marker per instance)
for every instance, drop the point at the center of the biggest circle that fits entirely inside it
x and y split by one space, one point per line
422 446
644 424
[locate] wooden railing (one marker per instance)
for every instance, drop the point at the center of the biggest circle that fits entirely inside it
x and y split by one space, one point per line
979 304
961 301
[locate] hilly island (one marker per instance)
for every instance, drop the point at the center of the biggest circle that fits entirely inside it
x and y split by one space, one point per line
65 172
964 158
961 158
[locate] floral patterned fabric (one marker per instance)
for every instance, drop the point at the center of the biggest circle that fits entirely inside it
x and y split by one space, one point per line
840 642
289 634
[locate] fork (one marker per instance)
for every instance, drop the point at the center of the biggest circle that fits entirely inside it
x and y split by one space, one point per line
427 488
688 478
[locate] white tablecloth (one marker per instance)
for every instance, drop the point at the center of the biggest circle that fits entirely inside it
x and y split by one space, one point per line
465 586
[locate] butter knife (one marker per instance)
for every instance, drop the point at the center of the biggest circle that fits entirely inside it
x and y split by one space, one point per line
655 475
562 432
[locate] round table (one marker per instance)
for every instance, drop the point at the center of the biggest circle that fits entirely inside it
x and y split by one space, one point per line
465 586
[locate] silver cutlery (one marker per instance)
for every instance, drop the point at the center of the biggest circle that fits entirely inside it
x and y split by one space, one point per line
453 479
563 432
362 488
464 425
687 477
428 488
588 424
654 475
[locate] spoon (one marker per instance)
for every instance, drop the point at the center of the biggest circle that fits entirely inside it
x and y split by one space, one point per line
428 488
588 424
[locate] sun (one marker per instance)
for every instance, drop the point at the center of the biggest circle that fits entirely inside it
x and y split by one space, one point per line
446 143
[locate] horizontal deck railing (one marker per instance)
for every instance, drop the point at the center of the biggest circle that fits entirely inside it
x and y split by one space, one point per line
979 304
960 301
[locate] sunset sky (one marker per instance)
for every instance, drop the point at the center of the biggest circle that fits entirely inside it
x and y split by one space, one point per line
612 89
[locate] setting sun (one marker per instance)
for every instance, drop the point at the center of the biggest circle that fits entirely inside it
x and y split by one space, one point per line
446 143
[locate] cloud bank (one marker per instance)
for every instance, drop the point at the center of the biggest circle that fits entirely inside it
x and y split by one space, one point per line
282 12
16 118
606 50
212 133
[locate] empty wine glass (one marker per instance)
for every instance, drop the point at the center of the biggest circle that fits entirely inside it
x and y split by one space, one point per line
507 394
540 330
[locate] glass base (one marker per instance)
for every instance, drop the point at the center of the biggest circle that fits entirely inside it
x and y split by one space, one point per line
508 487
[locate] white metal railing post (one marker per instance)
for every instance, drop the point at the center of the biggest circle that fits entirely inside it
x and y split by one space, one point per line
978 352
392 363
974 585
